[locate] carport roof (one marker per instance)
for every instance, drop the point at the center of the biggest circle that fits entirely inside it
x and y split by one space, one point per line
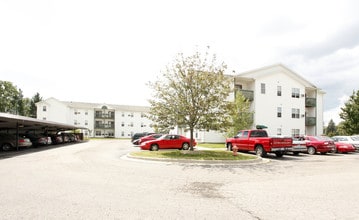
9 121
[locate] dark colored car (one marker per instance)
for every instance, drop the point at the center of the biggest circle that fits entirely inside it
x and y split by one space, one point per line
168 141
135 138
148 138
8 142
319 144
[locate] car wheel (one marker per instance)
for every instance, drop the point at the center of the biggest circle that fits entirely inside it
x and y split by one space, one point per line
154 147
6 147
311 150
185 146
260 151
279 154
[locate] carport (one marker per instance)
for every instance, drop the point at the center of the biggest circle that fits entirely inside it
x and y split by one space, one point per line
17 123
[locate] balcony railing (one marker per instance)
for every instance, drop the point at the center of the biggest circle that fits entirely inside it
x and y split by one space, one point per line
310 121
105 116
104 126
310 102
248 94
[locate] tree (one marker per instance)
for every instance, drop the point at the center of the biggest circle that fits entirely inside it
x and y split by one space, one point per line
331 129
240 113
8 97
350 114
191 95
32 108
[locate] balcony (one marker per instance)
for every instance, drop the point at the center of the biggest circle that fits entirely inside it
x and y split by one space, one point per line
105 116
310 121
104 126
248 94
310 102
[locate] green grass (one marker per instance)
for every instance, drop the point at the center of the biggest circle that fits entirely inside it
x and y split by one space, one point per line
212 145
194 155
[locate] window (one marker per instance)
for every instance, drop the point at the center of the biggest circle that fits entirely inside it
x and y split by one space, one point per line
123 114
122 133
44 118
44 108
295 112
279 91
86 113
279 131
263 88
86 122
122 124
295 93
295 132
279 112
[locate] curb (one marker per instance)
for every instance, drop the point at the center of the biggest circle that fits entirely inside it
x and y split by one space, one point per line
188 161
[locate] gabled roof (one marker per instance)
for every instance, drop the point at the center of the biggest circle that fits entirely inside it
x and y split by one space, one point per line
275 68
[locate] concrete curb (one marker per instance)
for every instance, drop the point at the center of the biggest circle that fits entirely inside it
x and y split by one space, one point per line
258 160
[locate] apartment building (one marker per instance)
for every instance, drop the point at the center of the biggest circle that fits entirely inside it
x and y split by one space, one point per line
281 99
101 120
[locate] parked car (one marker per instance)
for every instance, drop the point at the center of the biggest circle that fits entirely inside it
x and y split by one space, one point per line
354 140
136 137
8 142
148 138
343 147
36 139
168 141
299 146
56 139
319 144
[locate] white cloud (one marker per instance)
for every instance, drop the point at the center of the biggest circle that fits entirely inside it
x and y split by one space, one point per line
106 51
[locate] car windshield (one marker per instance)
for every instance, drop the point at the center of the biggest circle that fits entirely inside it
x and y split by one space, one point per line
355 138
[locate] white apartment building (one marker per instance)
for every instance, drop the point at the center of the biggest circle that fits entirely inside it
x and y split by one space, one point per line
281 99
101 120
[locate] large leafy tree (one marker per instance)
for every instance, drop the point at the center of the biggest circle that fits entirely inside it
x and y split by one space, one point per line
9 96
191 94
350 114
241 116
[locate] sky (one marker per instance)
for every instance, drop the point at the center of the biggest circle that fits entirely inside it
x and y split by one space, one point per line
107 51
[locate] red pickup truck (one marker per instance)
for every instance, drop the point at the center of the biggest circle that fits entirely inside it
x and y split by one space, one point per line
259 142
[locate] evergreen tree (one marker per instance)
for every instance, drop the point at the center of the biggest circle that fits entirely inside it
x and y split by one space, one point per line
350 114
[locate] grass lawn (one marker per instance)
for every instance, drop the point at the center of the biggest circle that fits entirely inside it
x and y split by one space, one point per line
195 155
211 145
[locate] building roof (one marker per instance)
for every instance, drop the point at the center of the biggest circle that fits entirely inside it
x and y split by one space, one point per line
88 105
277 67
10 121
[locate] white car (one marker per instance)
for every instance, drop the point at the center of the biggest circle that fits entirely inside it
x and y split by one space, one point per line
354 140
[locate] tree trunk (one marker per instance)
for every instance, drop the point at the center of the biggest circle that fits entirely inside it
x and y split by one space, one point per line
191 137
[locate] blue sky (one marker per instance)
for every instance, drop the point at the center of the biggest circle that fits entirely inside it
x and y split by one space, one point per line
106 51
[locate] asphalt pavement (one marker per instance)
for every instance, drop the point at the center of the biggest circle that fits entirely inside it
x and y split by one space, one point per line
96 180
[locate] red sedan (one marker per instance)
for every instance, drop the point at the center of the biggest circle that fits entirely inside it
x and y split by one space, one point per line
343 147
148 138
319 144
168 141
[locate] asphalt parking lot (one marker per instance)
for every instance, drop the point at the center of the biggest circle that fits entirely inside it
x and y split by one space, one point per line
95 180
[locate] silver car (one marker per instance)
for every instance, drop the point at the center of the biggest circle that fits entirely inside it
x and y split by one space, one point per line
8 142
